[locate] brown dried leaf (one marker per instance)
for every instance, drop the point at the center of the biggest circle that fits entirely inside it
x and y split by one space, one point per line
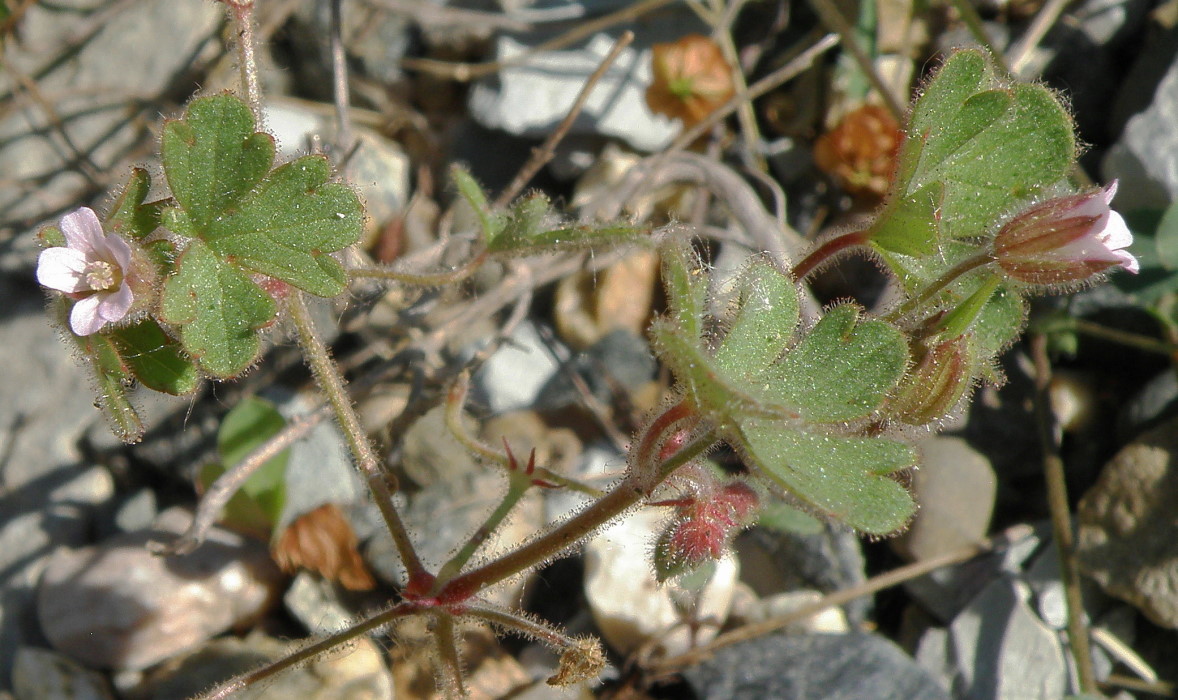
323 541
690 79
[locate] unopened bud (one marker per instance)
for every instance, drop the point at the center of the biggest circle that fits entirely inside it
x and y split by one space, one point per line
703 528
1067 239
935 384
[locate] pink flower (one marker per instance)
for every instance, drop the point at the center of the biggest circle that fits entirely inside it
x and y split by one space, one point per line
1066 240
91 268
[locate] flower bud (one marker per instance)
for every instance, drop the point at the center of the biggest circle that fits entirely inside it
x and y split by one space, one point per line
1067 239
939 378
704 526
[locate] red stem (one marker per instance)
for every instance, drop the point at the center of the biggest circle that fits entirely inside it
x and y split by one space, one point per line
828 250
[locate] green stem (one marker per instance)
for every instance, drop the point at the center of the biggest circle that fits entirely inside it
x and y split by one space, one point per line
425 279
628 492
381 483
930 292
243 16
1061 521
516 488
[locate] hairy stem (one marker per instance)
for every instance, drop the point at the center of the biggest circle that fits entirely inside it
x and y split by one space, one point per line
231 688
828 251
1061 520
242 12
625 494
381 483
930 292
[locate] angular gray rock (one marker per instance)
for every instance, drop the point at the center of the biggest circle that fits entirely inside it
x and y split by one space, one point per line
1145 159
852 666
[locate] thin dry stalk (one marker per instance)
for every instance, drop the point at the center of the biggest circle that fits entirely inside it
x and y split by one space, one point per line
547 150
1061 519
465 72
872 585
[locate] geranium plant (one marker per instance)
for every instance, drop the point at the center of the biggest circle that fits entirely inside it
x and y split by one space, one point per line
819 406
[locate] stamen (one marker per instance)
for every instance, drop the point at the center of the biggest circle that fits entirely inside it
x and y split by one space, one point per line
101 275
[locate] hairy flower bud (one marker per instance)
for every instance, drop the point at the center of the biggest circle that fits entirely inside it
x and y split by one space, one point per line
938 379
704 526
1067 239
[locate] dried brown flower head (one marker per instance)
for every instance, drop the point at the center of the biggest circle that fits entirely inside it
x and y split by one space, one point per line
861 151
690 79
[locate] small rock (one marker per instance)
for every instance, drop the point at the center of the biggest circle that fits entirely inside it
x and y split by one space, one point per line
998 648
813 667
137 511
512 377
627 601
116 605
319 469
313 601
355 672
1145 159
1128 535
831 560
531 97
955 488
620 361
589 305
829 621
40 674
375 39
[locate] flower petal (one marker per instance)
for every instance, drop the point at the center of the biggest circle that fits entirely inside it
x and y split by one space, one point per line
114 249
1116 234
115 305
62 269
82 229
84 318
1128 262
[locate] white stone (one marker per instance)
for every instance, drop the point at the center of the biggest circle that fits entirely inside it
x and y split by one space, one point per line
628 603
116 605
530 98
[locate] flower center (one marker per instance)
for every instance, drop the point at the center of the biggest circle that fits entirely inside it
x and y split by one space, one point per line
101 275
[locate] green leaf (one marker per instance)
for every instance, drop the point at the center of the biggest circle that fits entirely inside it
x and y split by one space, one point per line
491 223
218 310
1166 238
289 224
155 359
213 156
842 369
773 396
129 215
976 146
283 224
528 230
686 282
845 477
257 506
782 517
767 316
